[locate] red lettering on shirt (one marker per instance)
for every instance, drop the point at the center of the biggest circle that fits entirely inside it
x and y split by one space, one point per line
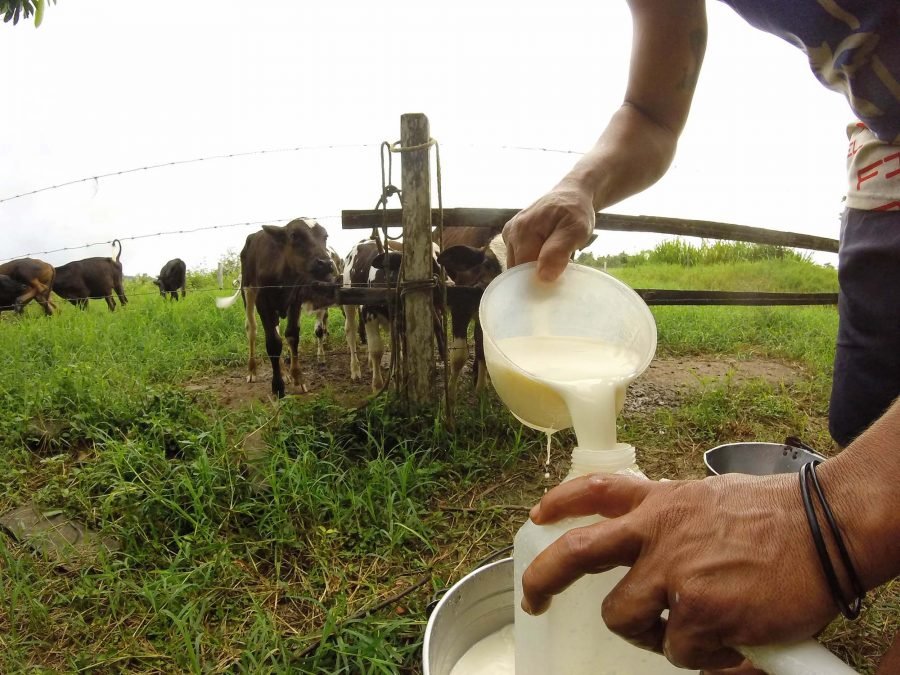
890 158
860 178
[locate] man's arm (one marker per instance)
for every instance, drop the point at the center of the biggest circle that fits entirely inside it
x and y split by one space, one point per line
638 144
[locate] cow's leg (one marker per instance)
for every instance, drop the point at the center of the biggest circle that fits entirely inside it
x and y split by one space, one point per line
41 293
273 349
250 326
481 373
375 350
183 291
321 333
120 291
27 296
459 348
459 354
110 303
292 334
351 325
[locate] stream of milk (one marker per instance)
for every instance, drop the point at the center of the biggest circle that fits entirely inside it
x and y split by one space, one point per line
559 382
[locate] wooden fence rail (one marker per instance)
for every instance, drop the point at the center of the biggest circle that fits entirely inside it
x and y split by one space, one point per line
652 296
495 218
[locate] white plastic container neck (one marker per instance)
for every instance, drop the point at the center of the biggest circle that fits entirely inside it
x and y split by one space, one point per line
585 461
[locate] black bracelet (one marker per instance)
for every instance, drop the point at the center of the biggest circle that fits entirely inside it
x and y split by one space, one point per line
850 610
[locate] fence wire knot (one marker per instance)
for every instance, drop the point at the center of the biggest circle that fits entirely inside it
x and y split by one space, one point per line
397 147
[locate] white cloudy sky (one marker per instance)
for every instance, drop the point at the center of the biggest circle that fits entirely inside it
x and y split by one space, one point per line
102 87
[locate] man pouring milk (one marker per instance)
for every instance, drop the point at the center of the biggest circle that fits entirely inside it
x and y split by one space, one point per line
732 558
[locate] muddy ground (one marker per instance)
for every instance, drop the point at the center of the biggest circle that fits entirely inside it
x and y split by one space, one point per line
664 383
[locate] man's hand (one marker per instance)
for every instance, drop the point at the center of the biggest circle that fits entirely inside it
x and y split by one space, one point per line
729 557
550 230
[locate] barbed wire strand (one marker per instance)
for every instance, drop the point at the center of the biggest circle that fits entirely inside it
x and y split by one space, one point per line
269 151
181 162
162 233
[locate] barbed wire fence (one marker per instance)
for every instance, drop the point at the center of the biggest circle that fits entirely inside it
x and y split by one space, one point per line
227 156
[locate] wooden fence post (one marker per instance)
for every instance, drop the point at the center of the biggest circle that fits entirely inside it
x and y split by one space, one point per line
418 305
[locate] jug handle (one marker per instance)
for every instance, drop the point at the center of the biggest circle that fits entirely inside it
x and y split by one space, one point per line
800 658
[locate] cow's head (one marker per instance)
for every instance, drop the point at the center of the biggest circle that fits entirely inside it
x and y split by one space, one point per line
304 242
470 266
386 267
156 282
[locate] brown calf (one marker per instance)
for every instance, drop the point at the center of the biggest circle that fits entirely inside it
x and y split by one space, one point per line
37 276
280 270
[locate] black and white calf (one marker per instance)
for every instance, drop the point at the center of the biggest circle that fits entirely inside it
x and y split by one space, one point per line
321 315
366 266
474 257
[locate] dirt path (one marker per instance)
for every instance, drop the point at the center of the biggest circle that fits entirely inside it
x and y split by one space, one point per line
664 383
667 380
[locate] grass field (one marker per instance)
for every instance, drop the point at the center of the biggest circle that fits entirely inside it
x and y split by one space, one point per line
256 537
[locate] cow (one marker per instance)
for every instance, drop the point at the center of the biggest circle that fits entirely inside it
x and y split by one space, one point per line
281 269
81 280
321 330
10 292
172 278
368 265
38 278
471 256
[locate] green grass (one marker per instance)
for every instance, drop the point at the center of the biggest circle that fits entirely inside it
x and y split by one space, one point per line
263 555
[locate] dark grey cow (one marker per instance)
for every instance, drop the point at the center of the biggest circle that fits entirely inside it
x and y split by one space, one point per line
10 292
82 280
171 279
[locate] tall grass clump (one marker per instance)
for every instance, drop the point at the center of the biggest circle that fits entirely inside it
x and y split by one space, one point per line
685 254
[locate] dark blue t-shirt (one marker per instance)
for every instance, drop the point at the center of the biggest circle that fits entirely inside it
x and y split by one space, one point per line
853 47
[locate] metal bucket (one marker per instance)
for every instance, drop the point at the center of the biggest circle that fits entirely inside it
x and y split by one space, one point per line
477 605
758 459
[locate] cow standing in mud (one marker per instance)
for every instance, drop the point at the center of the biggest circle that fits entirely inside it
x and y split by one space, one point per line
281 268
37 278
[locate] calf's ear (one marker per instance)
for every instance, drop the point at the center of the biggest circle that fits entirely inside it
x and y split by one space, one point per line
276 232
458 258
